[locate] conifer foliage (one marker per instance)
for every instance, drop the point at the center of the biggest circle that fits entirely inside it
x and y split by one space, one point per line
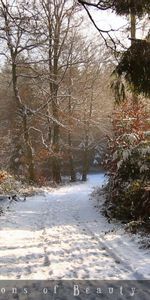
134 66
125 7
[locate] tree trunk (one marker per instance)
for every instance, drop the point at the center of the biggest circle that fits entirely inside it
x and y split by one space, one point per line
71 162
85 159
133 27
23 113
53 71
56 169
86 147
133 37
29 152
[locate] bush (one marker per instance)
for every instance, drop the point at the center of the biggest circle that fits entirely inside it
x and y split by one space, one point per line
8 183
128 163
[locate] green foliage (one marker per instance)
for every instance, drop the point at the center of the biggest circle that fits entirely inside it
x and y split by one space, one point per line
131 202
137 164
134 67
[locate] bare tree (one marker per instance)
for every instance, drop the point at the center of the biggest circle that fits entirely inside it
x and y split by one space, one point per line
57 16
16 32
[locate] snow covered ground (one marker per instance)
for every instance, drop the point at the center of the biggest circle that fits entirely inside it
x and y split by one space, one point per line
61 235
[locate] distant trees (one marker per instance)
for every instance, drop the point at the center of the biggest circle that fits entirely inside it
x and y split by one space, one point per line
89 103
52 76
90 79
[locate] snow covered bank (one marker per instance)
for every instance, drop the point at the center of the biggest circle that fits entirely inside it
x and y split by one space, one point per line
61 235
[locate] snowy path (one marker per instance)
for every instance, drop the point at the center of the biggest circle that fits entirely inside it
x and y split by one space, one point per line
61 235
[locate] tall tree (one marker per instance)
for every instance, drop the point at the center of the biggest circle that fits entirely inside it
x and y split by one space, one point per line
18 34
57 16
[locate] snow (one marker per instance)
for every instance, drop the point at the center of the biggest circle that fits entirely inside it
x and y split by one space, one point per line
61 234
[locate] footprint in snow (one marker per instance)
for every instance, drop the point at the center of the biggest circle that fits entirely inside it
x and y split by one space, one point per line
46 262
50 272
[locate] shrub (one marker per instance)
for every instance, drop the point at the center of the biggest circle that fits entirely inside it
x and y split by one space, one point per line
128 163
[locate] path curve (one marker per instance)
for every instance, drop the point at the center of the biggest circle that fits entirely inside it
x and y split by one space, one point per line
61 235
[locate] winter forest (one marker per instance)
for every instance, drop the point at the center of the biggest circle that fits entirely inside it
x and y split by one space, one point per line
75 139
